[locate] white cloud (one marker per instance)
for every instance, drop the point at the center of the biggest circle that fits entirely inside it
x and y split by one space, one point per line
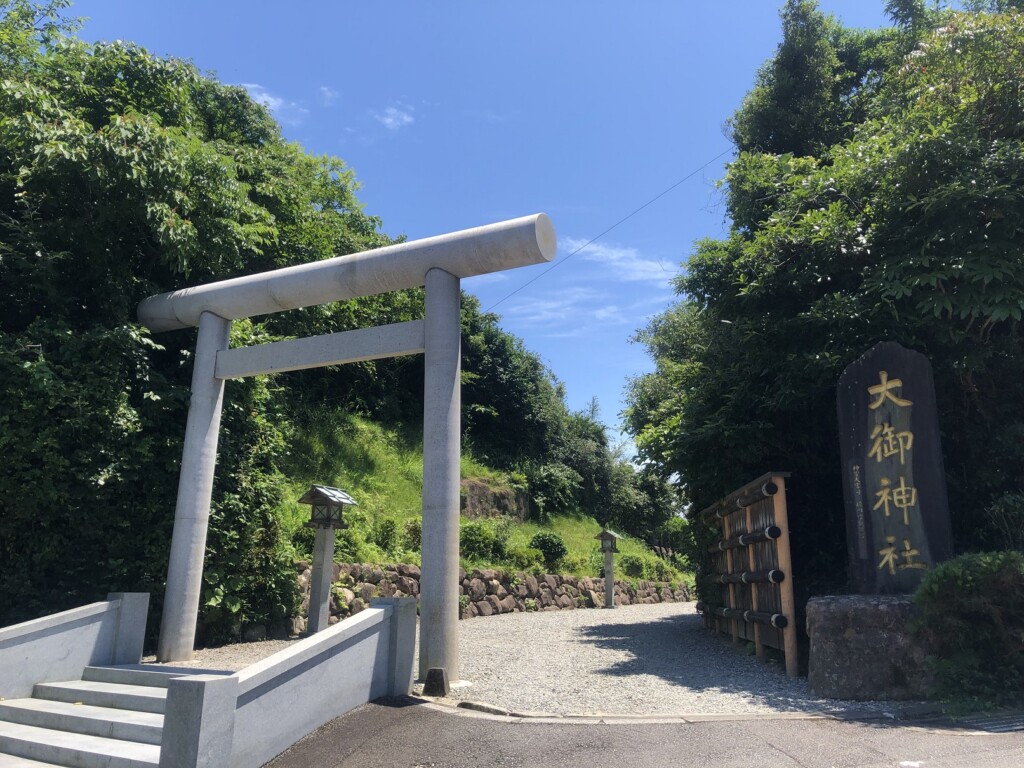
610 312
554 308
396 117
328 96
287 112
621 262
263 96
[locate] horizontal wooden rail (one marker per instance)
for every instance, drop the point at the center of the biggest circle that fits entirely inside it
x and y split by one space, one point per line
771 576
764 487
776 620
768 534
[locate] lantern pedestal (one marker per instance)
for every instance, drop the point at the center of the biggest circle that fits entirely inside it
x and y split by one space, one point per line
320 581
609 580
609 545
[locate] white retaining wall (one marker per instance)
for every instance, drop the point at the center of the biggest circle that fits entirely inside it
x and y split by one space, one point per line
244 720
59 647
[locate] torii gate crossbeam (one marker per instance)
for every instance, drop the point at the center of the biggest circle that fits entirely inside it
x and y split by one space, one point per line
438 263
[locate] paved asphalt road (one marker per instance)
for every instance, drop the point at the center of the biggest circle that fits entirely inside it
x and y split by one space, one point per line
415 735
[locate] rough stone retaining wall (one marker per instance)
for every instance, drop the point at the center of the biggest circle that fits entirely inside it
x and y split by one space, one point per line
482 592
862 649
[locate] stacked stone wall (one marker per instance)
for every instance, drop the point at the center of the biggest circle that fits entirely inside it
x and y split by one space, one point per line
487 592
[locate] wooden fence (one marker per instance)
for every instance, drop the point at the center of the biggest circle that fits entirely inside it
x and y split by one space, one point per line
749 589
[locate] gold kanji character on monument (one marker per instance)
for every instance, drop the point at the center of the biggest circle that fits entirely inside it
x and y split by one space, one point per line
883 391
903 497
891 555
888 442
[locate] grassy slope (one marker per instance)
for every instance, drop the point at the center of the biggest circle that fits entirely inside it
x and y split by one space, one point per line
383 470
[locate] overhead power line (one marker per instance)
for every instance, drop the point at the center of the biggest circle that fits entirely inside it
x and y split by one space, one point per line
597 237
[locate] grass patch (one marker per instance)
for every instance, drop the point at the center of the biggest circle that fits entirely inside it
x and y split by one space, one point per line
382 469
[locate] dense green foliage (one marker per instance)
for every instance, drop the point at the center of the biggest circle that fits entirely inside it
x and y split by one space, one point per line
551 546
971 620
875 196
384 467
123 175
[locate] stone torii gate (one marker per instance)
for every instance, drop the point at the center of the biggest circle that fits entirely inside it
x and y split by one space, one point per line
438 263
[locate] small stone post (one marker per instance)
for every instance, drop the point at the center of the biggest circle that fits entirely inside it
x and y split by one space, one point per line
609 579
608 539
320 581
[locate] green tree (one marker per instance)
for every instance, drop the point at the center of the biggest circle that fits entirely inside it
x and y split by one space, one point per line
810 93
512 405
907 228
122 175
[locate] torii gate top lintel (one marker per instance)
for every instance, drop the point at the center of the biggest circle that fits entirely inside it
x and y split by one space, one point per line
478 251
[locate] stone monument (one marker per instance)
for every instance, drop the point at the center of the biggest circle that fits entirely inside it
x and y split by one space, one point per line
897 524
897 514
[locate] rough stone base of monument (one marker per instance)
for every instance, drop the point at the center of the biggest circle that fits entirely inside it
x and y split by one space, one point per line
861 649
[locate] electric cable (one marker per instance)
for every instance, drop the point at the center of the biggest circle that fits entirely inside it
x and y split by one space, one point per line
597 237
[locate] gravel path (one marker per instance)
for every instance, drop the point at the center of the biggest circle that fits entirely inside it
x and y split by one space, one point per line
635 660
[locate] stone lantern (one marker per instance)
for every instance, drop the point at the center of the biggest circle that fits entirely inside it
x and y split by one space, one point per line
327 515
609 540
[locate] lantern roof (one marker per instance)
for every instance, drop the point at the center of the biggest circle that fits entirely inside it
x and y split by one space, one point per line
607 533
325 494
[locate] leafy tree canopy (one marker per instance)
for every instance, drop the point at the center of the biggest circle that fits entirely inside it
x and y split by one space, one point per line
123 175
899 219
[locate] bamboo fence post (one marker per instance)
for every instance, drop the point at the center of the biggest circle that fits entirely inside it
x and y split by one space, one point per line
733 623
752 566
781 514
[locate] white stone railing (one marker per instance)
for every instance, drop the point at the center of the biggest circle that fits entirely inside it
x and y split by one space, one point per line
245 719
60 646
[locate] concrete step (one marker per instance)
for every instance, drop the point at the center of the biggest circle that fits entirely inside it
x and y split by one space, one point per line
10 761
83 718
75 749
140 698
152 675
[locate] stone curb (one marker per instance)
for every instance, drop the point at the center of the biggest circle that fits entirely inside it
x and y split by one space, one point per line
489 711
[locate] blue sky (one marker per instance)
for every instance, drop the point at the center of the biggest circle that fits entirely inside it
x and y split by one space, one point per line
457 114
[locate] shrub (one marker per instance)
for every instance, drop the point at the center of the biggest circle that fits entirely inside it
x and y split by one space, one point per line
477 541
662 571
552 548
385 535
632 566
554 489
412 534
574 564
525 559
971 620
350 547
502 528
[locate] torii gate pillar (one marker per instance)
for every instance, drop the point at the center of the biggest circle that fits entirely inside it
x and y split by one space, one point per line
442 400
